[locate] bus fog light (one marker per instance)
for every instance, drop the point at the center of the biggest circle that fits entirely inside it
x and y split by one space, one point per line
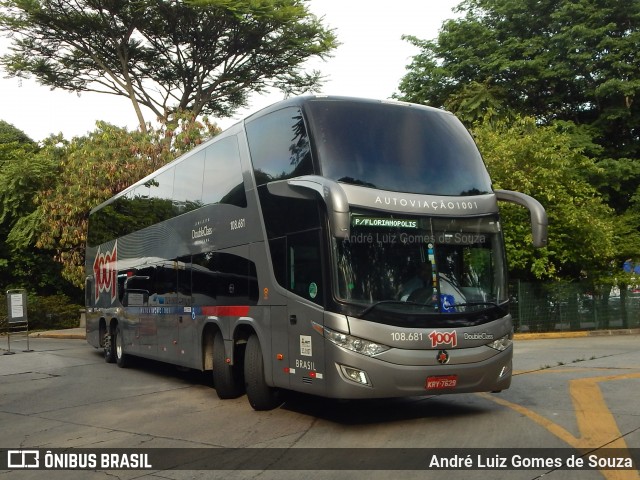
355 375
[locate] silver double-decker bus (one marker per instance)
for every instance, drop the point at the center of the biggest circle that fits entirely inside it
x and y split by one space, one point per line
341 247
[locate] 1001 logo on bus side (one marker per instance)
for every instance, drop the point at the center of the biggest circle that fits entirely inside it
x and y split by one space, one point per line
105 271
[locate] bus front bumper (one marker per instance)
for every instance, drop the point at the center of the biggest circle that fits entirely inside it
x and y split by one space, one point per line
359 376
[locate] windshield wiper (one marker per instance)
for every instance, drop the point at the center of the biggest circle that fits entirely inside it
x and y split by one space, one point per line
431 304
400 302
474 304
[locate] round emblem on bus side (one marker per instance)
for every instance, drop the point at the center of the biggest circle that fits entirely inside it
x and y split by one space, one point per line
443 357
313 290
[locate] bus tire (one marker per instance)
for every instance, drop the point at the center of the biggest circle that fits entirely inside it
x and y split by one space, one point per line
226 378
109 346
261 396
121 357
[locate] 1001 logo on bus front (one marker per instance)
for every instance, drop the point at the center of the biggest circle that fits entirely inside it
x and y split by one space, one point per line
105 271
443 338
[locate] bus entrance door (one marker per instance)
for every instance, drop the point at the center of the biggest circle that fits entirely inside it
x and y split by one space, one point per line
306 286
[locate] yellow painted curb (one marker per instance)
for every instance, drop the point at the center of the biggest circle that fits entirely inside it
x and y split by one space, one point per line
580 334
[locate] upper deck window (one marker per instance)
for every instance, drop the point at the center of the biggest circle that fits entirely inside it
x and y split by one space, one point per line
396 147
279 146
206 176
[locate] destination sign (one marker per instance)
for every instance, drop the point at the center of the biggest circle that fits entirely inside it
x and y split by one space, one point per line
382 222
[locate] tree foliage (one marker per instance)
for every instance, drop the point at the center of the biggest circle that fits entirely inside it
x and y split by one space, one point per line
542 162
23 174
574 60
16 189
205 56
572 65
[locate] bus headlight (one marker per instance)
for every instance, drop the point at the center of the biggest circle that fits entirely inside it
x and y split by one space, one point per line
354 344
502 343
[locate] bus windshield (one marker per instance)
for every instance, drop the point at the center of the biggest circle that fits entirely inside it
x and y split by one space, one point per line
396 147
421 264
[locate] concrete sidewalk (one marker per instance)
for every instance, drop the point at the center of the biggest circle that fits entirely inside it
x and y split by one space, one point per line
66 333
81 333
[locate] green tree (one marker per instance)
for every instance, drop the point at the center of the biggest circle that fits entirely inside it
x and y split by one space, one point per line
24 173
205 56
96 167
15 150
571 60
9 134
542 161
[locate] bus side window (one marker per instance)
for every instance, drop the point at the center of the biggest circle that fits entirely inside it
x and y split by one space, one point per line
184 281
223 174
187 183
224 279
164 285
134 286
204 280
88 291
304 266
160 196
278 247
279 146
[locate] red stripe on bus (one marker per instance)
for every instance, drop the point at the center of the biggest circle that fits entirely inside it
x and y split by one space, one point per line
227 311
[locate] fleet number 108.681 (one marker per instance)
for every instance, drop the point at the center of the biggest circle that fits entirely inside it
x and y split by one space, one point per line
237 224
406 336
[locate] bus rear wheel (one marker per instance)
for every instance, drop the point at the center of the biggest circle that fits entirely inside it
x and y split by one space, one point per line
121 357
109 346
226 378
261 396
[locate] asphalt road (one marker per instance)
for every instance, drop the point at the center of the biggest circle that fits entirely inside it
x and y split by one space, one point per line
570 395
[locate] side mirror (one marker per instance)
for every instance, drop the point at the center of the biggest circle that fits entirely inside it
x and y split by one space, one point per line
331 193
539 221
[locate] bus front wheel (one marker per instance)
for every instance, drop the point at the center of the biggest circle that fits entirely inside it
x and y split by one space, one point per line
261 396
226 378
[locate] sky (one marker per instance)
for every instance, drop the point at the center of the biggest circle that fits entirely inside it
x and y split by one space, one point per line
370 62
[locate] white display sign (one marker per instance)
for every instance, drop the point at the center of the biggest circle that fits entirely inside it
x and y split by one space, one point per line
17 306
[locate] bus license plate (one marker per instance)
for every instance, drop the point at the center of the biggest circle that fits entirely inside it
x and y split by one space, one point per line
441 382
